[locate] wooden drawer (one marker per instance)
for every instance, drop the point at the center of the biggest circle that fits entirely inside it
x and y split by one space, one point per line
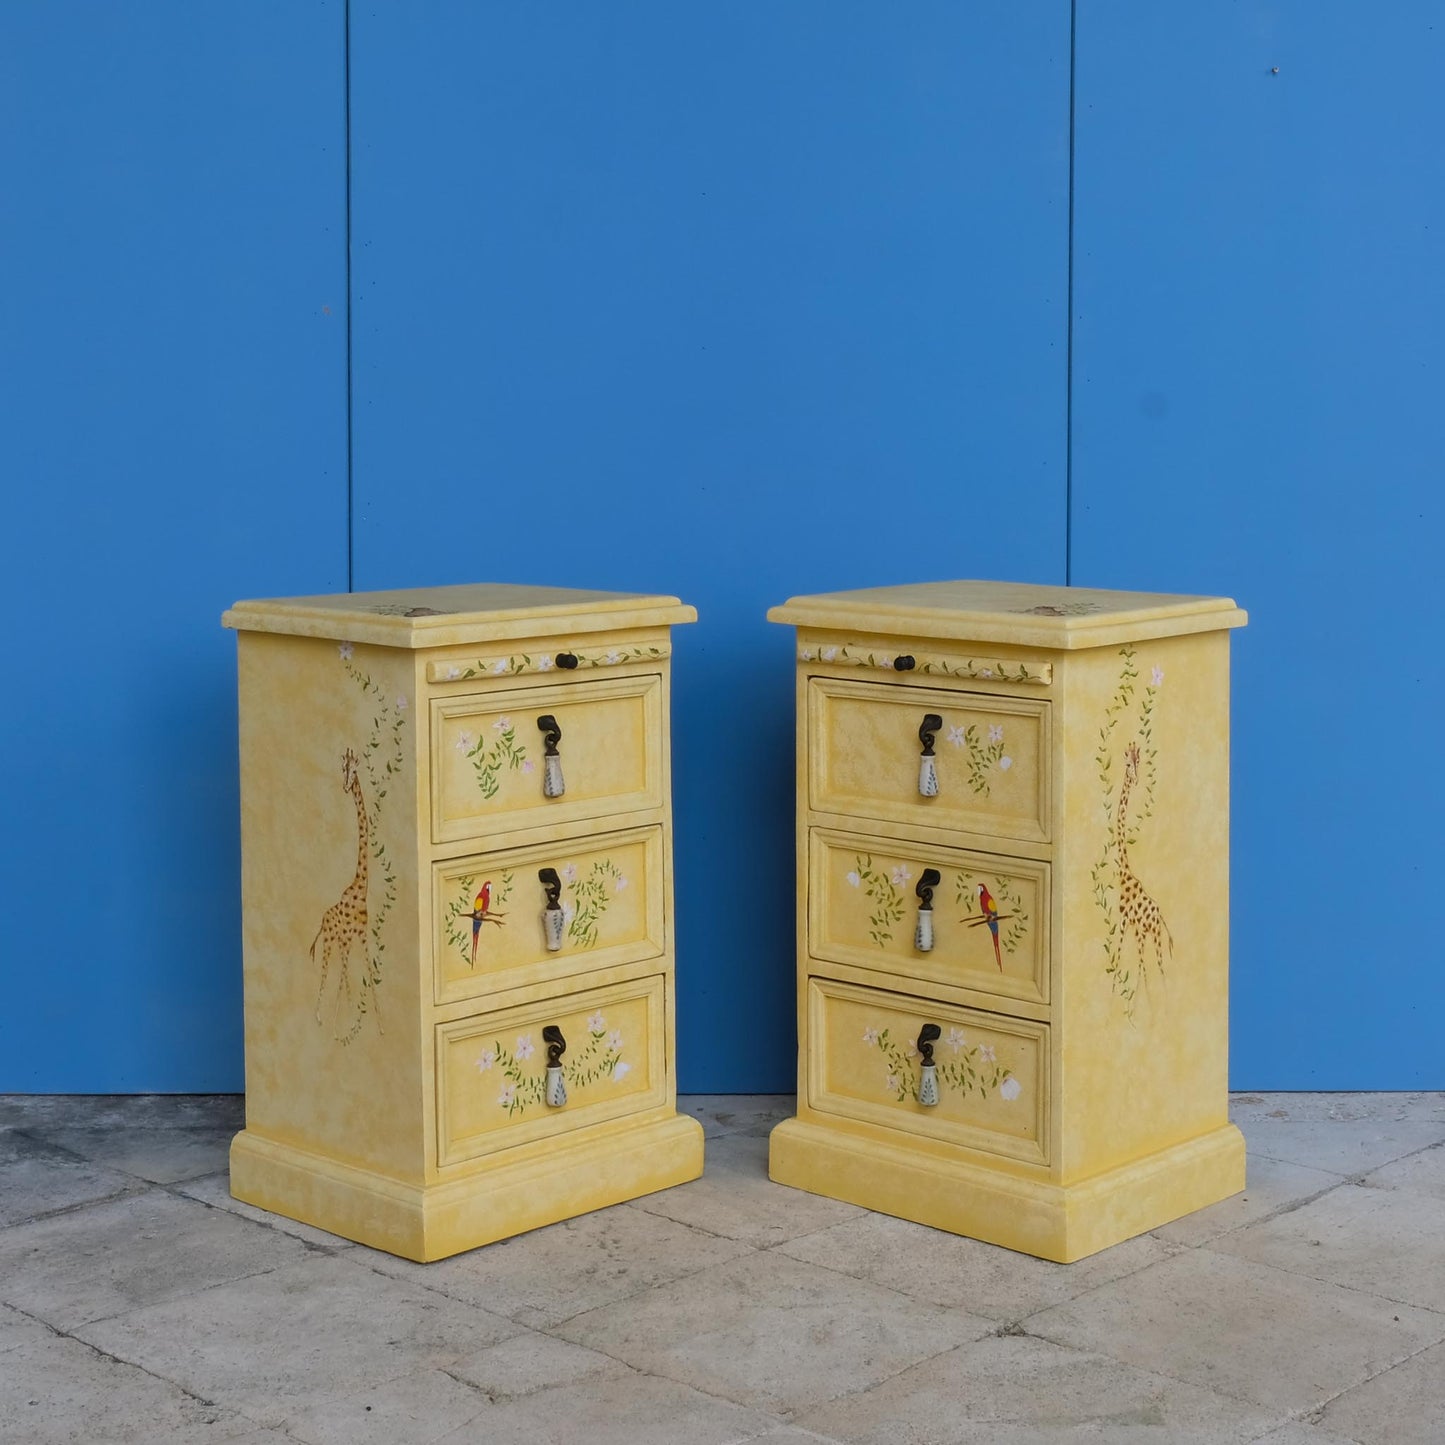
863 909
487 750
991 757
491 1068
992 1071
612 893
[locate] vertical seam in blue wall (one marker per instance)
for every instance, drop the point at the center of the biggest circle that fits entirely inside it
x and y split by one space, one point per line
346 96
1069 325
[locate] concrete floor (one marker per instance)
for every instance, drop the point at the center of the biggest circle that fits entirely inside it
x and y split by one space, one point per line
139 1302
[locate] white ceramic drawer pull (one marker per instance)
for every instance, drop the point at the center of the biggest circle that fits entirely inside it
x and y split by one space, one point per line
553 785
554 921
927 767
556 1047
928 880
928 1035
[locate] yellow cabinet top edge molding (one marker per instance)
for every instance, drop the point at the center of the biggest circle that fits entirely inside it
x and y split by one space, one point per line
443 616
1020 613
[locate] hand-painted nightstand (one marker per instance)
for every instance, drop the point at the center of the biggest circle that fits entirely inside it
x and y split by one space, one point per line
457 892
1013 930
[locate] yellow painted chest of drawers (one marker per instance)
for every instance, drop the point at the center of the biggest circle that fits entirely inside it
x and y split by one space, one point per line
457 904
1013 831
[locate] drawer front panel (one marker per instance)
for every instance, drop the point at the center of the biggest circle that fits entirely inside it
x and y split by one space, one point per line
992 1071
491 1069
989 921
991 757
489 912
488 763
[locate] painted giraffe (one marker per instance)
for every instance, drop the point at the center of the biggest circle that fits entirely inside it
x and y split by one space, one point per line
1137 910
343 925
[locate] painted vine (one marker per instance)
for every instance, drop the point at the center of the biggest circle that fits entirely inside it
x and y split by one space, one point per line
526 1084
488 760
885 892
521 662
972 1069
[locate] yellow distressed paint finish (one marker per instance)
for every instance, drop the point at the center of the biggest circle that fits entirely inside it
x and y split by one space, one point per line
398 973
1043 1063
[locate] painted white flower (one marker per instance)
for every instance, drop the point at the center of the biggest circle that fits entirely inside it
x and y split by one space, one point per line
1005 763
401 703
528 766
1158 675
345 651
995 733
453 673
955 736
884 660
525 1049
870 1036
498 668
852 880
985 1053
892 1083
956 1040
901 875
621 884
596 1023
569 873
613 658
464 742
485 1060
1010 1089
621 1069
911 1052
544 664
828 654
501 724
805 654
505 1098
614 1039
985 672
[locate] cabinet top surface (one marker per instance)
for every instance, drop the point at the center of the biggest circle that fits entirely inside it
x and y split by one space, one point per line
418 617
1025 613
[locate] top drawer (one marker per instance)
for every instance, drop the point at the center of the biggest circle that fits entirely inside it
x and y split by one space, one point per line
488 765
989 766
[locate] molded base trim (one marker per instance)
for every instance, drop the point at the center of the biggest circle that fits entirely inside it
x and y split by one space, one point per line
431 1222
1052 1221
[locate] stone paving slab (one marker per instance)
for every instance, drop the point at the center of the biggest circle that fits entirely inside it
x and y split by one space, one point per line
1245 1329
1403 1406
736 1199
160 1155
772 1332
530 1362
215 1190
1340 1147
719 1114
1271 1185
628 1409
39 1179
1422 1173
58 1391
1383 1242
1346 1108
548 1275
70 1268
945 1269
304 1337
1016 1388
412 1409
17 1328
225 1113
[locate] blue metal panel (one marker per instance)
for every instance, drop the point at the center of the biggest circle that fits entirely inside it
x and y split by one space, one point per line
173 418
1259 355
732 301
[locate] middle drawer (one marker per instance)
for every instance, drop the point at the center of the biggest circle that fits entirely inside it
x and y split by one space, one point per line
489 911
988 924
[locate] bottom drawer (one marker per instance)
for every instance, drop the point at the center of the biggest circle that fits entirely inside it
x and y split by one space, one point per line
491 1068
992 1071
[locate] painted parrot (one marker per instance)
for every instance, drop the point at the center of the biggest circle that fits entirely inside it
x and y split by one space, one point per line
989 910
481 913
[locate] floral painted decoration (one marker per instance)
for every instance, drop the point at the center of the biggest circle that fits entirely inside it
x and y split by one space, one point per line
885 892
971 1068
524 1087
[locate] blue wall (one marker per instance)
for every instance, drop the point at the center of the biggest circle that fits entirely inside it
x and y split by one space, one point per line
734 301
